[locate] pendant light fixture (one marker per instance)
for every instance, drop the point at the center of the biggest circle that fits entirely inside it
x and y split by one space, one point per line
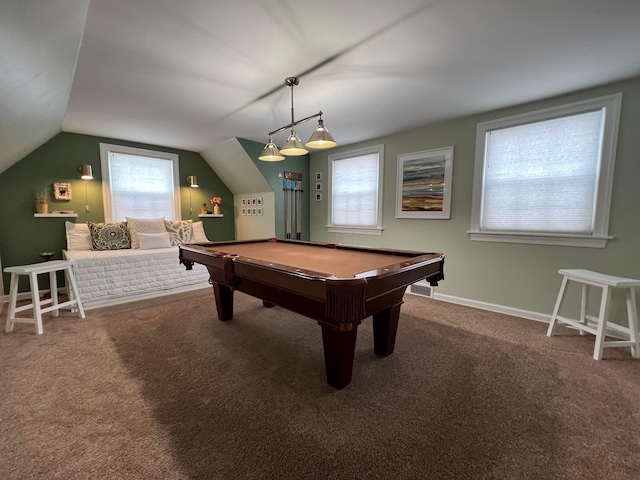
321 138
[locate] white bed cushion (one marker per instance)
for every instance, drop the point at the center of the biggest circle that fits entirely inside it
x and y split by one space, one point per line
198 233
78 236
114 276
180 231
144 225
149 241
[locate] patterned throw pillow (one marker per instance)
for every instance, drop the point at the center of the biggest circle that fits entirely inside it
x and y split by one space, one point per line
109 236
180 231
144 225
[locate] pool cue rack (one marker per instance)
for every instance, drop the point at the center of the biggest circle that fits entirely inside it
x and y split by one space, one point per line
292 187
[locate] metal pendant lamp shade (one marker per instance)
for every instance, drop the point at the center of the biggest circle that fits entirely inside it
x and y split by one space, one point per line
85 172
293 147
321 138
270 152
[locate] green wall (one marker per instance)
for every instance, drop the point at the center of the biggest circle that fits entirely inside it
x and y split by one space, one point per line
270 171
517 276
23 237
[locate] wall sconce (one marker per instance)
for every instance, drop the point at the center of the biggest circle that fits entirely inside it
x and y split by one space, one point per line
192 180
321 138
86 174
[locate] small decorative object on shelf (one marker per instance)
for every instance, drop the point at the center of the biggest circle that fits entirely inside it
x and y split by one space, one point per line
42 200
203 209
216 201
47 255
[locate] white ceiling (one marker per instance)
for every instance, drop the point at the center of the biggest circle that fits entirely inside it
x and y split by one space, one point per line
194 73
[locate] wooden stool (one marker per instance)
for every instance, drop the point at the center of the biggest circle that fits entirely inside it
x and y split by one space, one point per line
606 282
36 303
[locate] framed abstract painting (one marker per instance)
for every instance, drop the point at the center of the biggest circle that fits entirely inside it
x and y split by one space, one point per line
424 184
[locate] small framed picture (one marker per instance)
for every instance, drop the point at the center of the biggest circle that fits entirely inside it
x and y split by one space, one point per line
259 210
318 197
254 201
244 210
318 186
62 191
259 201
254 211
244 202
318 176
248 211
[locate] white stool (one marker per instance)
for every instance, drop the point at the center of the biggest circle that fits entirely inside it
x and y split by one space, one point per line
606 282
36 304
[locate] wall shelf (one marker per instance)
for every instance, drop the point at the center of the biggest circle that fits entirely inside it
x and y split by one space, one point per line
210 215
51 215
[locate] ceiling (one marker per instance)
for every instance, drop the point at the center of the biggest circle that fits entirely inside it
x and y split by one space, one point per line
195 73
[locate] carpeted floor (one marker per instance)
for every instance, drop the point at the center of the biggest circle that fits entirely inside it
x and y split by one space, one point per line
161 389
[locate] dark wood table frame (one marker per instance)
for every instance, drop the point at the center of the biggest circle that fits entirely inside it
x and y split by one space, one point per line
338 304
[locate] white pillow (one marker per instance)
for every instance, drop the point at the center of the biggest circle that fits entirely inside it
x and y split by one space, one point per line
147 241
198 233
144 225
78 236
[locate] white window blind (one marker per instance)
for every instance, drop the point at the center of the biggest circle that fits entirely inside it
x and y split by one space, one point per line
139 183
543 177
356 190
546 177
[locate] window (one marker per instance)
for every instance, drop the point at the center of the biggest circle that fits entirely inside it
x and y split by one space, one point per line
546 177
139 183
355 191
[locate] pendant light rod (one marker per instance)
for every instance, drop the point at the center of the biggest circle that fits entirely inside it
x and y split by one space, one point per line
293 124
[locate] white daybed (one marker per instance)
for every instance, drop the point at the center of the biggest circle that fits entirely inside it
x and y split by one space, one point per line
109 277
119 276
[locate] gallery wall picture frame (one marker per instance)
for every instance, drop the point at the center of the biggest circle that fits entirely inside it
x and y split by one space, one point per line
424 184
62 191
244 211
259 201
318 186
318 176
259 211
318 197
244 202
248 210
254 211
254 200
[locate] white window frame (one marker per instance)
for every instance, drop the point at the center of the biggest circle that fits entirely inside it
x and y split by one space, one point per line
599 236
106 148
357 229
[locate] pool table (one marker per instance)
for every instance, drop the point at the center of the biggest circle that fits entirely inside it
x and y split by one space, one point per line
336 285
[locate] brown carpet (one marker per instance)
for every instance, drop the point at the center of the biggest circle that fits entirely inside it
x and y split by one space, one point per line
161 389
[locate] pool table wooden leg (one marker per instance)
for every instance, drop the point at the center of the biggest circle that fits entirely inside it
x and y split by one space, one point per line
385 326
339 348
224 301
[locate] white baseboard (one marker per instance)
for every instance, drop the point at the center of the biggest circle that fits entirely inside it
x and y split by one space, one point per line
492 307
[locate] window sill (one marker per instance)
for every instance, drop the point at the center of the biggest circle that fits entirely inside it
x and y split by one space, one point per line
565 240
356 230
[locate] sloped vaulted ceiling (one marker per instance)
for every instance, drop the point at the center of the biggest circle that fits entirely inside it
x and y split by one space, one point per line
192 74
39 44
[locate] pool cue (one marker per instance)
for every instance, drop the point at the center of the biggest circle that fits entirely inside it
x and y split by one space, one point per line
288 212
298 213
